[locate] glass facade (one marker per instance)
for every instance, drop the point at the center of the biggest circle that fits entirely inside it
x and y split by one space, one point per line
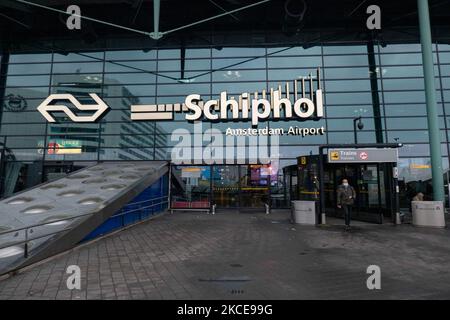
382 83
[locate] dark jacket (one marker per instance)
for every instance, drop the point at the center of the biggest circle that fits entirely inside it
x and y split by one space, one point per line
345 195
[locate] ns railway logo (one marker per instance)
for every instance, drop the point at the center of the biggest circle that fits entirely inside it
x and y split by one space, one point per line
306 91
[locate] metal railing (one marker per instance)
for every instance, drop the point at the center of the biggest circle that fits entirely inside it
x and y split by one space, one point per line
29 229
140 209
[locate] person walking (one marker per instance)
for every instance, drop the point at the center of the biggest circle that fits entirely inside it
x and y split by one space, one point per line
345 199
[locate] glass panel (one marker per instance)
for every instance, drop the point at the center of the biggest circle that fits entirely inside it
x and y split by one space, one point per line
35 68
77 84
239 63
404 84
410 71
368 187
348 137
20 176
34 57
294 62
130 55
175 65
409 109
127 154
350 60
191 186
183 89
130 78
405 97
130 66
255 183
346 73
283 183
239 75
290 74
413 47
349 111
19 107
237 88
22 129
341 49
27 81
295 51
347 124
239 52
401 59
84 67
83 56
226 186
348 98
347 85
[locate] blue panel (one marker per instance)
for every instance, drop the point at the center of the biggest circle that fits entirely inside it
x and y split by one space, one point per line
140 208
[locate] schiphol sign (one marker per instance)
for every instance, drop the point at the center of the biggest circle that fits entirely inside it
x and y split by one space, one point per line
254 108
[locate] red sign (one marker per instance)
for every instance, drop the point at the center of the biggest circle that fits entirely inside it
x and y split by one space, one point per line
363 156
53 148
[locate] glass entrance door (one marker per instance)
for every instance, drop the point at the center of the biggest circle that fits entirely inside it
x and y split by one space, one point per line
254 184
370 203
243 187
373 186
226 186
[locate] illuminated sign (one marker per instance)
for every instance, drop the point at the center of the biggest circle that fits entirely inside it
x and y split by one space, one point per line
362 155
254 107
420 166
61 146
302 99
46 108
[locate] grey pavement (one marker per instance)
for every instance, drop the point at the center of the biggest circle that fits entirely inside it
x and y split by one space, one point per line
234 255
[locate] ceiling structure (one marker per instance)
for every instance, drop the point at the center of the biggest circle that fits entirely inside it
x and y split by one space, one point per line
304 22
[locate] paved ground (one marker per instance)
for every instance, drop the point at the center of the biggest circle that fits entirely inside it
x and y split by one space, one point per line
246 256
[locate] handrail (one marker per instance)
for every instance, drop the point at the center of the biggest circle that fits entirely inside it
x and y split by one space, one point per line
125 212
44 223
147 200
26 240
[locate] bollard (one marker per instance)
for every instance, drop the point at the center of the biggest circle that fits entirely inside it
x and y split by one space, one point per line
323 218
397 218
267 208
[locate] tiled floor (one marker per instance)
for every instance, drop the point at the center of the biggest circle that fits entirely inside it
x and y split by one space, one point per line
246 256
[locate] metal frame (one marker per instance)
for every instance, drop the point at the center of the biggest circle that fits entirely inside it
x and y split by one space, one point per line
321 219
156 34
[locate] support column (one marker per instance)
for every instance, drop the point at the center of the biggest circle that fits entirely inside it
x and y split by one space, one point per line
4 61
156 34
430 92
375 91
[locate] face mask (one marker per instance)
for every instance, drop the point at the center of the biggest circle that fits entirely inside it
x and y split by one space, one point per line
345 184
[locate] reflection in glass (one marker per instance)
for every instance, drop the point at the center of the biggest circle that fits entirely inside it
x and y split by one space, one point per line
191 186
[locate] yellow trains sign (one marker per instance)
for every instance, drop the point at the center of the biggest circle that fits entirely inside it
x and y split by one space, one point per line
334 155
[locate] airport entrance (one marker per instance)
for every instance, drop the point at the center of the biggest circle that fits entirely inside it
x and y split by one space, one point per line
371 169
374 188
242 187
371 172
